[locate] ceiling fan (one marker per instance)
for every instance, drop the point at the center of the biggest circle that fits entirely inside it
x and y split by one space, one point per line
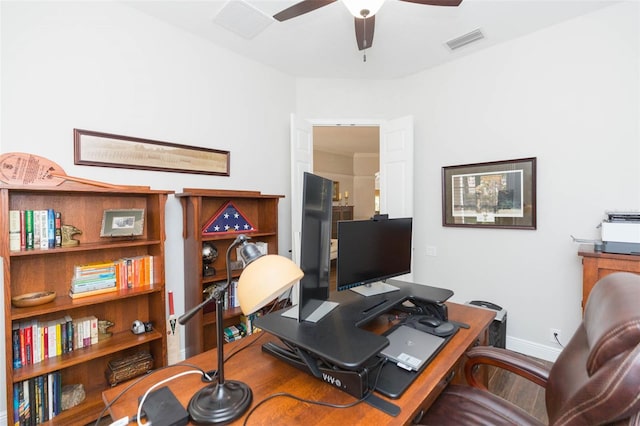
363 11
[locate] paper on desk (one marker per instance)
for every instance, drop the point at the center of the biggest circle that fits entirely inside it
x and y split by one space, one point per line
585 241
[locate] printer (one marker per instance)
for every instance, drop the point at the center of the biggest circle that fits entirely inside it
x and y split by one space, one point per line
621 233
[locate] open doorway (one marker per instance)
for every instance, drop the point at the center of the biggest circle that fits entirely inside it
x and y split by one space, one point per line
350 156
395 164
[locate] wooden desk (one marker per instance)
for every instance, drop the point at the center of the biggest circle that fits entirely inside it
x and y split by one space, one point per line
267 375
596 265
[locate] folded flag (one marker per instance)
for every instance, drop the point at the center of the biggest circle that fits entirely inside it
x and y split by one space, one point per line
228 220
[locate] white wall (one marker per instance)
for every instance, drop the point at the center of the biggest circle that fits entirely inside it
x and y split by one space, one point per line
107 67
568 95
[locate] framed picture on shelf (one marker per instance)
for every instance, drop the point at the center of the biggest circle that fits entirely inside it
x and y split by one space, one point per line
122 223
498 194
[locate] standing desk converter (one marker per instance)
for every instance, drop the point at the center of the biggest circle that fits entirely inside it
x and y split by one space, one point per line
267 375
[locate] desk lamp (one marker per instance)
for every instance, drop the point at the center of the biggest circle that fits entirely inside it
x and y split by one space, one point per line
263 278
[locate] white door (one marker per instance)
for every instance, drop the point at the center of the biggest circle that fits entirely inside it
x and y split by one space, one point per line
396 170
301 161
396 167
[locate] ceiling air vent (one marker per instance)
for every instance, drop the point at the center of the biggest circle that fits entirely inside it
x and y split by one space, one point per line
463 40
243 19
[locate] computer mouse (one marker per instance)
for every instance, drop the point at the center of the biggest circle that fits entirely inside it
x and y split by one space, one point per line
444 329
430 321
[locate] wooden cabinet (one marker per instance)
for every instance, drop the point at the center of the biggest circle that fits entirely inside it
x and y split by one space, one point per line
596 265
38 270
199 207
340 213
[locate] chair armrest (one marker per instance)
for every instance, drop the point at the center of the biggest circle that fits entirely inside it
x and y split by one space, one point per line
517 363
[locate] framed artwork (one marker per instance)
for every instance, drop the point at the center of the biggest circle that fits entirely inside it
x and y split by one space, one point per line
336 191
498 194
122 223
108 150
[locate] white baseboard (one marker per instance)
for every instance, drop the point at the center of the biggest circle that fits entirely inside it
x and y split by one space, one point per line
548 353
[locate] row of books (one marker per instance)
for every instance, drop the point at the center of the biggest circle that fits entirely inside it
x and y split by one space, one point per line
34 341
37 400
231 299
244 328
34 229
98 278
93 278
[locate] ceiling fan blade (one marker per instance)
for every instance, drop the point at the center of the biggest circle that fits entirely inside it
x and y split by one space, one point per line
364 31
436 2
301 8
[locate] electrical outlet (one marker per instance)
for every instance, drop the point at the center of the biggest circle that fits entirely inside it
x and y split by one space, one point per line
432 251
555 335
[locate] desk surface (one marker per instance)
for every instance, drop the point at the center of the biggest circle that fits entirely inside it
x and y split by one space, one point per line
267 375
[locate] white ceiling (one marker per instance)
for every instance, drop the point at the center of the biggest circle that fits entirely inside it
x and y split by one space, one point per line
321 44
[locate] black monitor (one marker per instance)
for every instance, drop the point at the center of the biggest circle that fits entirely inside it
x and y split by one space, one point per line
371 251
315 244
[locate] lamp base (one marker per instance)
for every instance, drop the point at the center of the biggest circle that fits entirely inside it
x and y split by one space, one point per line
220 403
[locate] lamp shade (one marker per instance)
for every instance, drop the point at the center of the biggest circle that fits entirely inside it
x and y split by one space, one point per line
356 7
264 279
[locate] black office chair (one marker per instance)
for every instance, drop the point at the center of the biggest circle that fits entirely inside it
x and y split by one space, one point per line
594 381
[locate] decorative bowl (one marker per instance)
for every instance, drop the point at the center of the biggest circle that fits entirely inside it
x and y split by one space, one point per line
33 299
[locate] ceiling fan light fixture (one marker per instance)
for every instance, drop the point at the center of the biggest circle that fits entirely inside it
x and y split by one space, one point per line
363 8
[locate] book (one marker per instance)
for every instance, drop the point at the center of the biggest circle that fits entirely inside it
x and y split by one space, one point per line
27 402
45 343
35 330
39 399
51 228
16 404
14 230
92 292
15 342
28 224
44 229
52 406
58 229
77 333
96 269
98 284
36 229
58 338
51 341
93 325
28 344
69 325
23 233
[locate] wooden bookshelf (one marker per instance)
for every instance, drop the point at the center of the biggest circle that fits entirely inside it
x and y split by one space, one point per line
37 270
199 206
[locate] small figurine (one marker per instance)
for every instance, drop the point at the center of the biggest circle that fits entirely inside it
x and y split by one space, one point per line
68 231
103 325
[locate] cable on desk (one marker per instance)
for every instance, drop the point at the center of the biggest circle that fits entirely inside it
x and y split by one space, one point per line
321 403
135 382
238 350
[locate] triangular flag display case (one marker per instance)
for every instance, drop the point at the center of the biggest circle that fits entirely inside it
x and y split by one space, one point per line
228 220
233 213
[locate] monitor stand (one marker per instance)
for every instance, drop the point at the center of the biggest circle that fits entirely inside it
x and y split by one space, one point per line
373 289
318 313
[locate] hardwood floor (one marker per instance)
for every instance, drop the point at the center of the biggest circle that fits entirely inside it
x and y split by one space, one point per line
519 391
